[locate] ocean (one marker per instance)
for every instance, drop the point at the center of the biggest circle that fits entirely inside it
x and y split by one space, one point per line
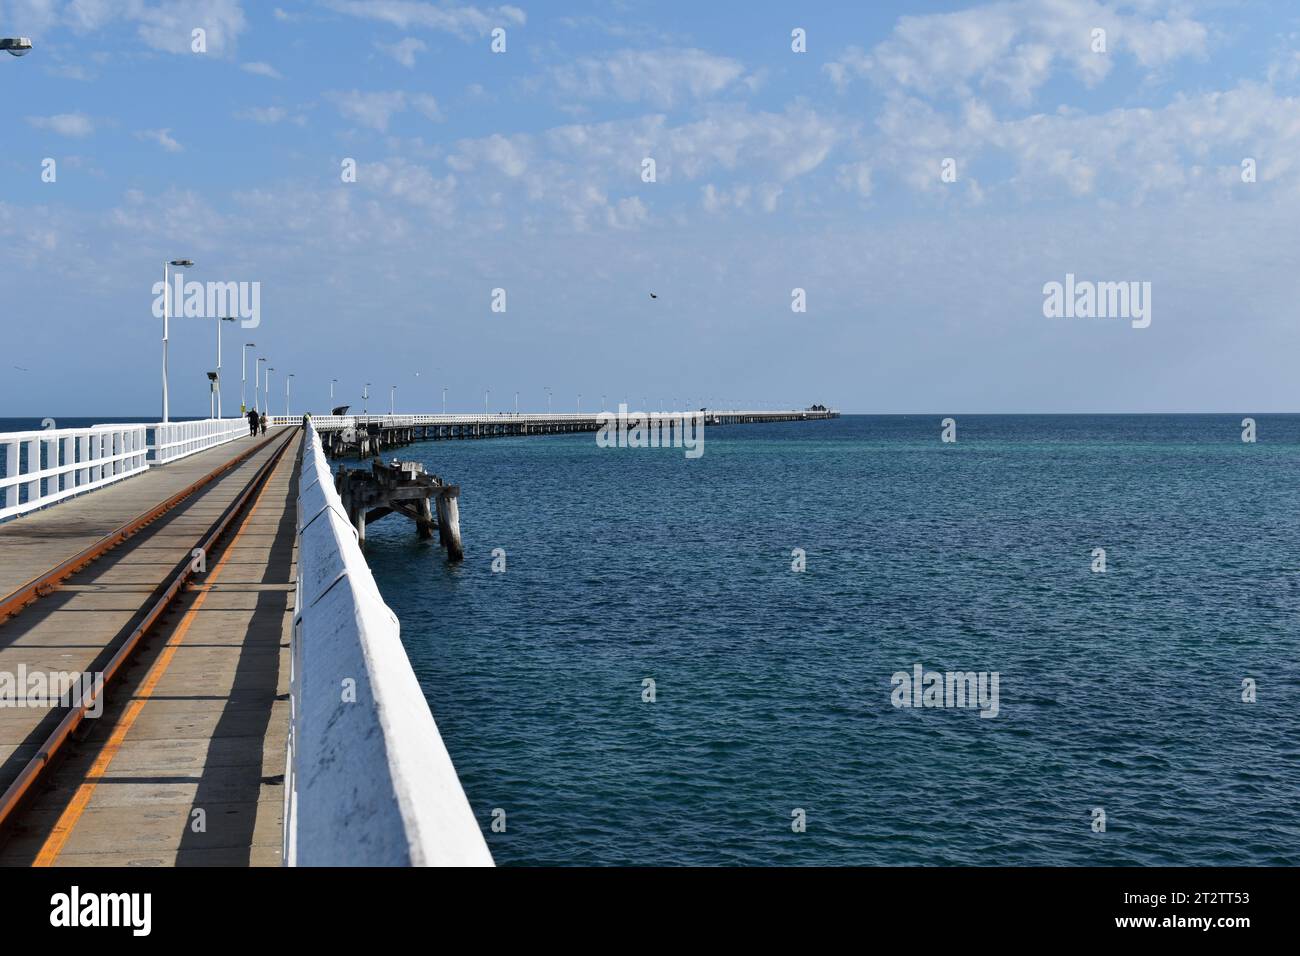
1120 692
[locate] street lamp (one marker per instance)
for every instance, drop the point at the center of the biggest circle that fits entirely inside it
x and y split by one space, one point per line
224 318
287 380
167 297
548 398
444 399
16 46
516 403
243 376
392 400
486 393
257 381
333 381
365 397
580 403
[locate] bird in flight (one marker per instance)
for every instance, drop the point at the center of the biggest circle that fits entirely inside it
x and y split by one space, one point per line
21 369
653 296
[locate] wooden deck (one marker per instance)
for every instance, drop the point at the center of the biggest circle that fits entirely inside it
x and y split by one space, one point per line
186 764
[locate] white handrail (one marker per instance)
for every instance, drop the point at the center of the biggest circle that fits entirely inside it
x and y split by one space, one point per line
42 467
368 780
172 440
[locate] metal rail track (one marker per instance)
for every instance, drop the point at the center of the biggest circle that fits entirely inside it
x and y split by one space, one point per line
35 768
47 582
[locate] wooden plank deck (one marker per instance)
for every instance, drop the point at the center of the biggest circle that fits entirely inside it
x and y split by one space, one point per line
199 721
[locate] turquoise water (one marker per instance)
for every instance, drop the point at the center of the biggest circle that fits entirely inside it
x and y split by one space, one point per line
1118 690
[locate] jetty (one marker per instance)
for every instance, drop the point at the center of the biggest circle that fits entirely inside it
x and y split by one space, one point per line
363 436
196 665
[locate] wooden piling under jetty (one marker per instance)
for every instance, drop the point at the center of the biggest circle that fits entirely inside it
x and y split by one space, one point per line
405 488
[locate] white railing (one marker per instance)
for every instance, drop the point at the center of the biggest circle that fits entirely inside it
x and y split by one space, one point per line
329 422
368 780
42 467
173 440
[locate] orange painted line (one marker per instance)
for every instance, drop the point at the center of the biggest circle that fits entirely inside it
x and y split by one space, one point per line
72 813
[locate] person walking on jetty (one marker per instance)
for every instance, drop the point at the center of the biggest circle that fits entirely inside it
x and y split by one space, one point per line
252 423
263 423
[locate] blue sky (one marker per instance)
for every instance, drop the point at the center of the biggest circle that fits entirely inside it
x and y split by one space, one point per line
775 170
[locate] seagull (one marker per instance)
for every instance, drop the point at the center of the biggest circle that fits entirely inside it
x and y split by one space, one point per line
21 369
653 296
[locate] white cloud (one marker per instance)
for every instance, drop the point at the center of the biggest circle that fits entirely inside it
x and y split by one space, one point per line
507 155
375 110
262 69
426 106
1128 154
163 138
659 77
411 183
271 115
1013 47
461 20
404 51
76 125
164 25
855 177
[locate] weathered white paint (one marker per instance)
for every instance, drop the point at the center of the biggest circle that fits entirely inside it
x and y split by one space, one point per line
368 783
61 462
172 440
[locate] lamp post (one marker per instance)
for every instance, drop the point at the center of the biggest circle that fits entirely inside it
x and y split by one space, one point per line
333 381
224 318
548 398
257 382
516 403
16 46
167 298
243 376
580 403
287 380
486 393
365 398
444 399
392 399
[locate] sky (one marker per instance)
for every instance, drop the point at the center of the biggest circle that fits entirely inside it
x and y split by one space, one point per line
920 171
